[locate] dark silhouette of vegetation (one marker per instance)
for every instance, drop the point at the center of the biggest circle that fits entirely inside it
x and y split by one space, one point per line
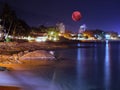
40 29
43 29
20 28
14 25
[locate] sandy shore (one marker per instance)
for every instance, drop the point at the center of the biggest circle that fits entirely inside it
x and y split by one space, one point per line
28 64
9 50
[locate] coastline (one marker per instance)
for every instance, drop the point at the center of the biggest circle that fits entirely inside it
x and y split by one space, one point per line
8 49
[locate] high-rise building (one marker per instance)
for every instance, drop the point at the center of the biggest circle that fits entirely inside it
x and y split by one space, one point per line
82 28
61 27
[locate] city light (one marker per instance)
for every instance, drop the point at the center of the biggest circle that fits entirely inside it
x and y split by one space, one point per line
40 39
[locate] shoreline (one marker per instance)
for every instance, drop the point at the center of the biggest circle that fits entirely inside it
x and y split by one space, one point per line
31 46
12 48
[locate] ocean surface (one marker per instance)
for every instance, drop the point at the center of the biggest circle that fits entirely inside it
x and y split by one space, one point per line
91 66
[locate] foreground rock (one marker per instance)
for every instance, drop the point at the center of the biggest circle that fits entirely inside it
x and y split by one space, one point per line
15 47
26 55
38 55
3 68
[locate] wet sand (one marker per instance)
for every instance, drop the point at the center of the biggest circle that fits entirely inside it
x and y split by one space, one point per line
21 76
28 64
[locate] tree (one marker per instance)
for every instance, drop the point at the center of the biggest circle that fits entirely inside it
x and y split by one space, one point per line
14 26
42 29
2 34
20 28
8 17
53 33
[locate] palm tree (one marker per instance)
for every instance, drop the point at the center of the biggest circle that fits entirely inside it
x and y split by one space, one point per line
14 26
8 17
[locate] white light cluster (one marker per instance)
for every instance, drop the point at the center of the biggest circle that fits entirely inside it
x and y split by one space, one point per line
40 39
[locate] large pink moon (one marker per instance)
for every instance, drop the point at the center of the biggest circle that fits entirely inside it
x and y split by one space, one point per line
76 16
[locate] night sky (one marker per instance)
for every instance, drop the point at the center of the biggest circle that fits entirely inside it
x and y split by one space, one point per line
96 14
